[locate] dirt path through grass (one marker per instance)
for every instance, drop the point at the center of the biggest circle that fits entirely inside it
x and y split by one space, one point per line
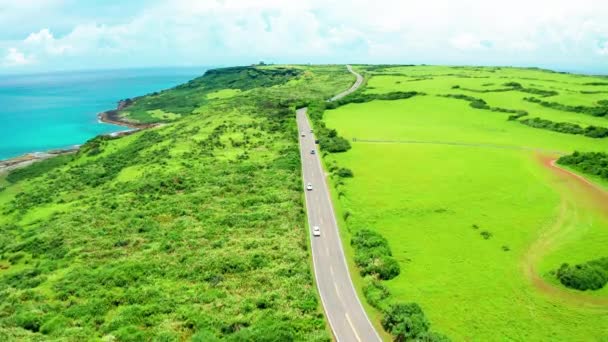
578 187
547 240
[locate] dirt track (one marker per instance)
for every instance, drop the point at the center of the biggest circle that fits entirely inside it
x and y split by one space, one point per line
560 227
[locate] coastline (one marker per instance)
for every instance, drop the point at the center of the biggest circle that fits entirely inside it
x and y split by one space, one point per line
27 159
109 116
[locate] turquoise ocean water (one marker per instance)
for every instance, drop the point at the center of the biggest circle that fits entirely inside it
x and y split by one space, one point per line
55 110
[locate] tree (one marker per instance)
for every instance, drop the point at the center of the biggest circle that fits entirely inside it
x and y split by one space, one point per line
405 321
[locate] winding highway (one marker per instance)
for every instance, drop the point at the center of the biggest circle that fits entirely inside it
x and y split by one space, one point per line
354 87
344 311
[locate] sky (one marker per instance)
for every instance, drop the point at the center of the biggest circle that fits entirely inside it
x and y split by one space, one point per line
53 35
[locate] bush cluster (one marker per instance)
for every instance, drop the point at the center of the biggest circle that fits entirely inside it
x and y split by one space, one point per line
185 98
541 92
592 275
511 86
345 173
566 127
38 169
375 293
478 103
593 163
359 97
328 139
373 255
407 322
601 110
596 83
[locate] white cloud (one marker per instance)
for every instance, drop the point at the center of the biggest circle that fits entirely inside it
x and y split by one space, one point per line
15 58
44 40
466 41
241 31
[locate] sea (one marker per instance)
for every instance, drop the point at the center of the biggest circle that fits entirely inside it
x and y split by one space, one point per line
41 112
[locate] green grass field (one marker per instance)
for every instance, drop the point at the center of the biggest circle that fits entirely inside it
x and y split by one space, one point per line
452 173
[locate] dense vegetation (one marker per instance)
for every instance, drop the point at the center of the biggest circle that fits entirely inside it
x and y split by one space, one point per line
375 261
373 255
187 98
562 127
407 322
478 103
592 275
38 169
329 140
512 86
566 127
189 231
600 110
360 97
592 163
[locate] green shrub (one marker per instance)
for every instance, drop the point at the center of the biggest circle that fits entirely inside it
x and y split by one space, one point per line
373 255
593 163
541 92
28 320
334 144
485 234
431 336
130 333
592 275
345 173
360 97
513 85
595 111
566 127
25 279
204 336
405 321
375 293
478 103
39 168
54 324
16 257
596 83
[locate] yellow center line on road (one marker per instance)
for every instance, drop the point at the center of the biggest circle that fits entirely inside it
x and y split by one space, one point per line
352 327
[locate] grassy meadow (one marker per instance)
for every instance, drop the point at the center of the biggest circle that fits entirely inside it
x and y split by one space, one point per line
473 213
193 230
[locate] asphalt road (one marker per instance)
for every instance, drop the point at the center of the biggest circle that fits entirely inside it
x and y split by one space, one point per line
346 315
355 86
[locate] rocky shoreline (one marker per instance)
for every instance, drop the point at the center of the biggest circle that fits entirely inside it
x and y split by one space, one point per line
30 158
113 117
109 116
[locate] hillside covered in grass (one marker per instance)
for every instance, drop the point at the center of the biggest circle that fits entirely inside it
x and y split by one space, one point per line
190 230
454 176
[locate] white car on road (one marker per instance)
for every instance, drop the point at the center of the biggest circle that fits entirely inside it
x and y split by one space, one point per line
309 186
316 231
